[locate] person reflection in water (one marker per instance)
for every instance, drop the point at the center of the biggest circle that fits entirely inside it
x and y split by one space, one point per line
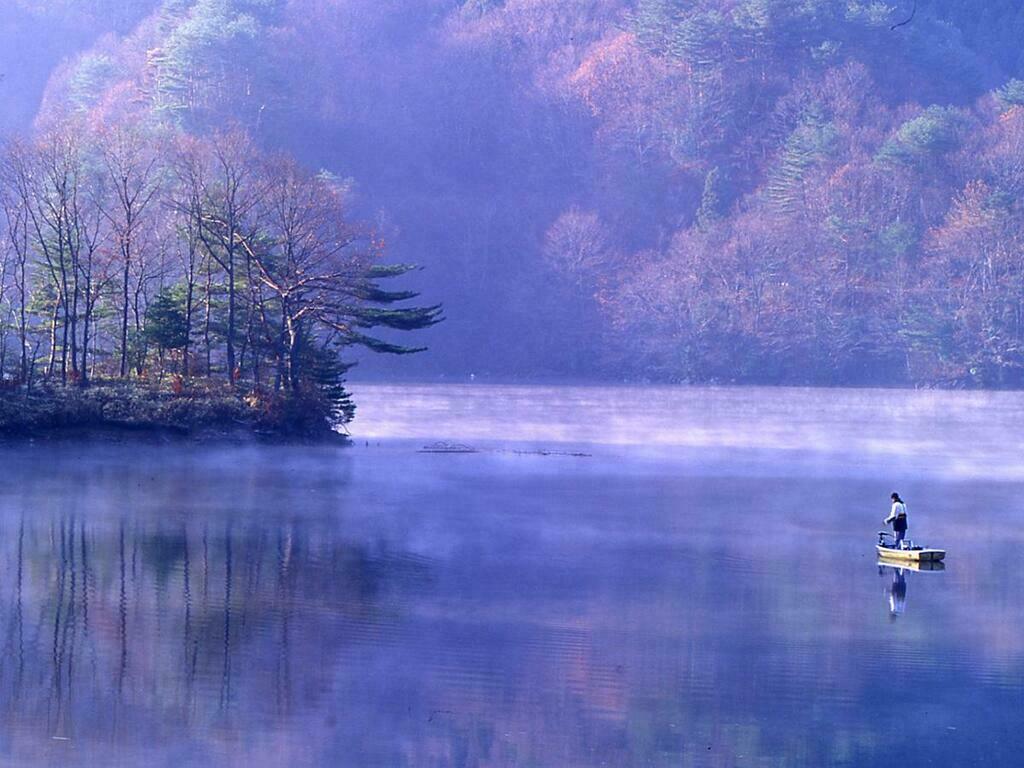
898 518
897 593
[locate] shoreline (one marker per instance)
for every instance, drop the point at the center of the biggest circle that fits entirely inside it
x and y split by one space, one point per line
128 411
160 434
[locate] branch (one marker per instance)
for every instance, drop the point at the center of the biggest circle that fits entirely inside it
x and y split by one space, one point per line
909 19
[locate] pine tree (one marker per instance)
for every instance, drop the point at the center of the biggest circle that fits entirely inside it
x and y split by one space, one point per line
711 200
166 326
1011 95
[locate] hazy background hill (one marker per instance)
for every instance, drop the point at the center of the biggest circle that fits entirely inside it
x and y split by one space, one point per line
724 190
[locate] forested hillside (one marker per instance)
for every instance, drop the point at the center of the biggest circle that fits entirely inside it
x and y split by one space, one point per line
801 191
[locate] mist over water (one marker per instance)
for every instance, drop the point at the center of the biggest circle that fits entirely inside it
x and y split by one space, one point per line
700 588
849 431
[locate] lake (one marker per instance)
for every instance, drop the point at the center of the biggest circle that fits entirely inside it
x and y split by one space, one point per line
616 576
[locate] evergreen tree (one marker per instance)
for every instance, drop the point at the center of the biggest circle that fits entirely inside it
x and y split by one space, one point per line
1011 95
712 203
166 326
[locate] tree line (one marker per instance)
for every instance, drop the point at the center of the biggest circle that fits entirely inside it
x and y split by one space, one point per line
128 251
712 190
799 192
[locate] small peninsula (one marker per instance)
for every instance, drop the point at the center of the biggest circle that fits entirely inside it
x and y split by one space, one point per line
157 282
154 411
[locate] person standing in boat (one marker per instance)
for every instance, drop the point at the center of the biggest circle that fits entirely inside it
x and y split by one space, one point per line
898 518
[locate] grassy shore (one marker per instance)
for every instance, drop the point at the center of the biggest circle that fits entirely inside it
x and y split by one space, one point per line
197 410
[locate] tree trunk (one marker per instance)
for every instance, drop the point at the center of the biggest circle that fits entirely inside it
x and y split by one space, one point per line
124 321
52 362
231 320
85 332
64 349
3 355
188 324
293 355
23 325
206 320
137 316
282 351
74 325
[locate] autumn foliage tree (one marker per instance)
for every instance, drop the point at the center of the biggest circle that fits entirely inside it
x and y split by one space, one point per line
689 190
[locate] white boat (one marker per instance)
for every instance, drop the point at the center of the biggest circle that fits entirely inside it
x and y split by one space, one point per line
911 554
908 553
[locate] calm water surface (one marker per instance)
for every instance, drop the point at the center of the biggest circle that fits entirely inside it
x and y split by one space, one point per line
698 589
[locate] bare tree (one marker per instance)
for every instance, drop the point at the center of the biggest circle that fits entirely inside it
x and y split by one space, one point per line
16 251
231 190
132 174
48 179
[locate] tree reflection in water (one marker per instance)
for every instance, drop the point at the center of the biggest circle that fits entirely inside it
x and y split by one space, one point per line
136 632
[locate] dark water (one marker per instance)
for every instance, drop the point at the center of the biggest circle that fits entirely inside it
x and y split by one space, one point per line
699 590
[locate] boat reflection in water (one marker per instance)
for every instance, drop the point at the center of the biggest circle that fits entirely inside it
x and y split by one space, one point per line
897 591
